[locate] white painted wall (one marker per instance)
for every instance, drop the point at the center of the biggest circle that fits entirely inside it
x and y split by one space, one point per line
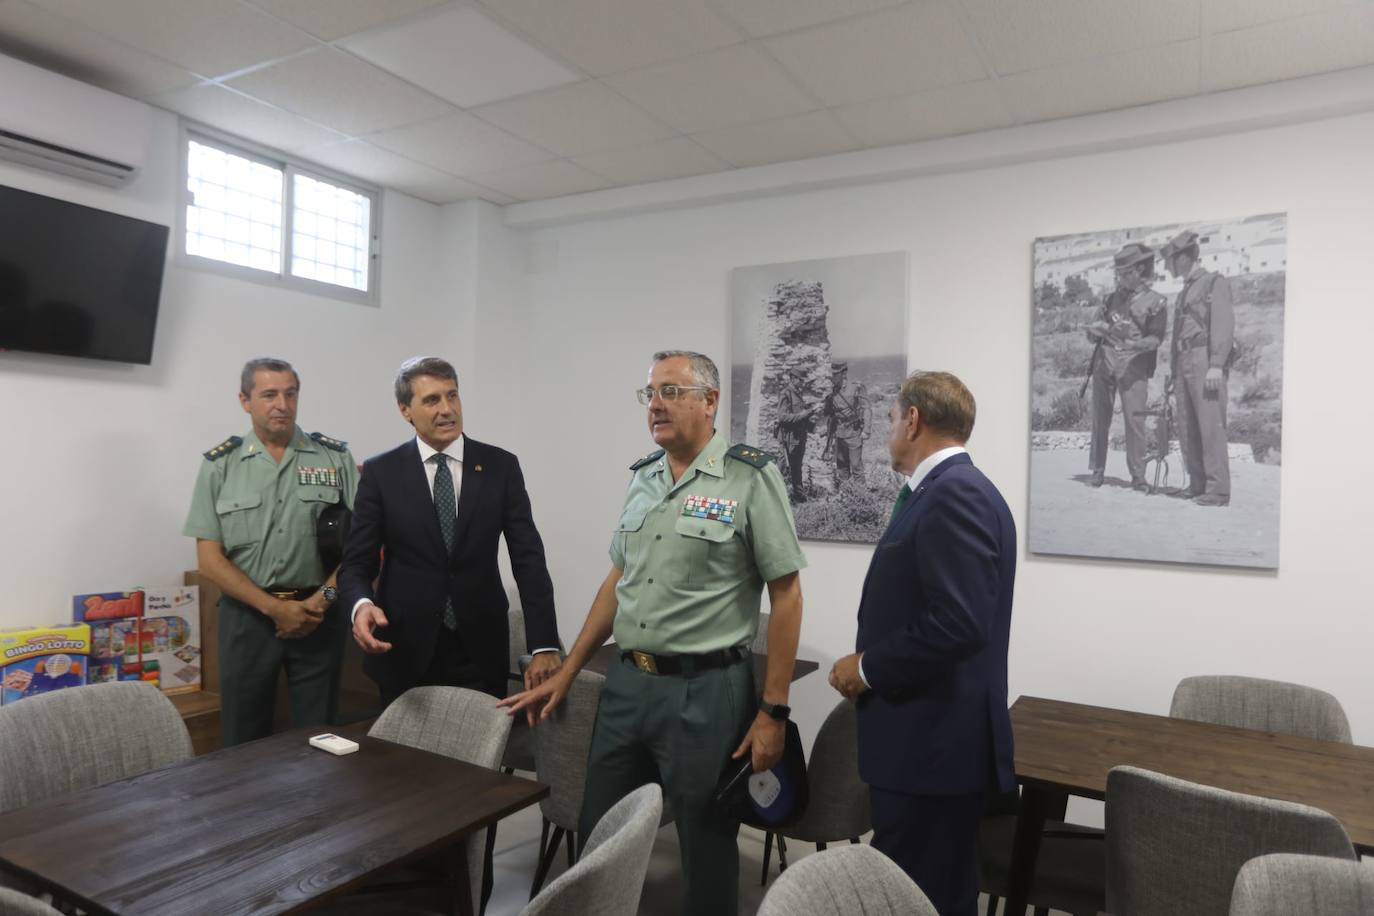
98 459
606 292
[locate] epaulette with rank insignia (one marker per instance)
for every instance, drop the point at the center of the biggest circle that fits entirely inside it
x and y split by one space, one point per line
336 444
749 455
224 448
647 459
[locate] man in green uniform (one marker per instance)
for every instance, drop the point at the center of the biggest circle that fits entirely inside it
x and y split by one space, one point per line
1128 333
846 412
704 527
793 426
253 514
1201 351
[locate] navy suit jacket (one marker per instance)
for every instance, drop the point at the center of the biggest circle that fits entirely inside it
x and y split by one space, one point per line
934 625
394 512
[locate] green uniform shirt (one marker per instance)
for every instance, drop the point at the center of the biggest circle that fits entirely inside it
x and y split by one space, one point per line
264 513
692 584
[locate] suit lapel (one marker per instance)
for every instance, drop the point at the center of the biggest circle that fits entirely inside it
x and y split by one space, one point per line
473 481
416 485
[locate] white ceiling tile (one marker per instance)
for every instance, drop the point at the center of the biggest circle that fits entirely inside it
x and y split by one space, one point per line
914 47
675 158
361 159
730 86
340 91
585 118
610 36
209 37
1116 81
817 133
50 41
334 19
941 112
248 118
460 144
1226 15
769 17
543 180
461 55
1049 33
1295 47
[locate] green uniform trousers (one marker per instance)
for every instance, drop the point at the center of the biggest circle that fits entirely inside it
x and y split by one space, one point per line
250 655
678 732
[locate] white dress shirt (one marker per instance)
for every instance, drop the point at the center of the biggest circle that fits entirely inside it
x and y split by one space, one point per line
918 476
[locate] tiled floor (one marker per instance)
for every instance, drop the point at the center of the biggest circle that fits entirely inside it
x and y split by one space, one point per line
517 852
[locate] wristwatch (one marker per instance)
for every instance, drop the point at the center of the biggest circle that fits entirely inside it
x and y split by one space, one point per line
779 711
331 594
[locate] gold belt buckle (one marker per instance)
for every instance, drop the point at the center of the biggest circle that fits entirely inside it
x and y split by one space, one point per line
644 661
284 595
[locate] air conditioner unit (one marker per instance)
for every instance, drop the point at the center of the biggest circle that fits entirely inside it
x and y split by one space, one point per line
52 122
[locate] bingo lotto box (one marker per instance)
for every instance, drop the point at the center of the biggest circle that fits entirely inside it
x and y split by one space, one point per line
148 635
40 659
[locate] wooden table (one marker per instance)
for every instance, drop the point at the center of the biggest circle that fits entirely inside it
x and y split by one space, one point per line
1065 749
609 654
271 826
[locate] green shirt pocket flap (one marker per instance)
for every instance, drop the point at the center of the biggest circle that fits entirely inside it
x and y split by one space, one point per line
707 529
227 504
318 494
632 519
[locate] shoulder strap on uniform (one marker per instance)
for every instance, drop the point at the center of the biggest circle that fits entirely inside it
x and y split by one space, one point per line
224 448
337 445
647 459
749 455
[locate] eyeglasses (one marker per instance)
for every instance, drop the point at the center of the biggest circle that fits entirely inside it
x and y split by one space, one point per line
666 392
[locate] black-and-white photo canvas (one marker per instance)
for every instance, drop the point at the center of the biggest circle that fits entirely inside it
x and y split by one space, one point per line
1157 392
818 354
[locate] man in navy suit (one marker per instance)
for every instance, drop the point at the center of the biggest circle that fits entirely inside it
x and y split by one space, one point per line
930 674
429 515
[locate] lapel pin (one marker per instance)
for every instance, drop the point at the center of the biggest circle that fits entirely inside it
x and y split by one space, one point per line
477 467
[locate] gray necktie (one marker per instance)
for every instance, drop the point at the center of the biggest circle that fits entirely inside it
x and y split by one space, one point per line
445 506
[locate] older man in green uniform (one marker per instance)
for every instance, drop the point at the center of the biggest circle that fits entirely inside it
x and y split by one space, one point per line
704 527
1128 333
254 515
1201 351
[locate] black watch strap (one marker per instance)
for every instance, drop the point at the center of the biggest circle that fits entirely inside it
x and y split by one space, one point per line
776 710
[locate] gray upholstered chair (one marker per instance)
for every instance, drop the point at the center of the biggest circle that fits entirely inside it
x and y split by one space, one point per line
1267 706
520 746
459 723
1282 884
609 877
839 801
13 903
849 881
1175 846
561 745
101 733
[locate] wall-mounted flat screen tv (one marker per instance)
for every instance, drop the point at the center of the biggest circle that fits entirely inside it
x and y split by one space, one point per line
77 281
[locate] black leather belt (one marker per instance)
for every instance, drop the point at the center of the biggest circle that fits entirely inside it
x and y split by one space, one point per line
291 592
685 665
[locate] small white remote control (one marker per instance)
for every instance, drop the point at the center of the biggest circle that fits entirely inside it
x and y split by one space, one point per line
334 744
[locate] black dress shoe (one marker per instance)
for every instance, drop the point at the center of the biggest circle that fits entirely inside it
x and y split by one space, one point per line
1213 499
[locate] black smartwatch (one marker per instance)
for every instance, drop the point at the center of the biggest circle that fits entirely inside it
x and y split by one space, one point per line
331 594
779 711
